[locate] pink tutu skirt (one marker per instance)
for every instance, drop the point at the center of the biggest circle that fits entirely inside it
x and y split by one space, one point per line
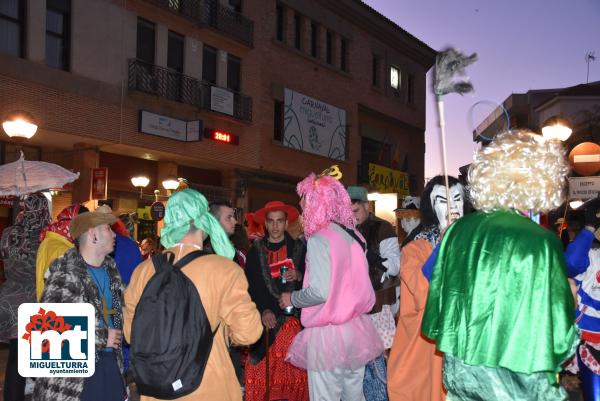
348 346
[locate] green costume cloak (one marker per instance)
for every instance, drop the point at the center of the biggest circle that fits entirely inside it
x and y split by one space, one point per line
499 295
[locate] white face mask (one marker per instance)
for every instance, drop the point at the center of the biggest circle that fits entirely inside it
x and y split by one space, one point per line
409 223
440 204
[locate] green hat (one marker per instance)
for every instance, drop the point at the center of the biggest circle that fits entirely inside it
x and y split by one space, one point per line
190 206
358 194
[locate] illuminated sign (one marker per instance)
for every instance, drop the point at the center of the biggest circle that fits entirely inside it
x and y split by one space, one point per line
387 180
221 136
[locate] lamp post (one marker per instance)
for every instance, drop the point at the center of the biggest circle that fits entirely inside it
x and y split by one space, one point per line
556 128
140 182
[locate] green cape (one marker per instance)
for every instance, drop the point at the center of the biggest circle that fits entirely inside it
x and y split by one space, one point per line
499 295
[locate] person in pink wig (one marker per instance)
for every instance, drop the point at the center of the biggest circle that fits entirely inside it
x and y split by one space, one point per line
339 338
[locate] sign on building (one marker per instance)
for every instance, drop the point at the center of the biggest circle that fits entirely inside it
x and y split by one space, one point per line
314 126
169 127
99 182
221 100
584 187
387 180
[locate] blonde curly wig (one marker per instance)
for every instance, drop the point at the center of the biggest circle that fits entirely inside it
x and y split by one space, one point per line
519 170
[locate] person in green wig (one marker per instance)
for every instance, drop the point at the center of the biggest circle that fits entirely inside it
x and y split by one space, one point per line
189 207
221 283
499 306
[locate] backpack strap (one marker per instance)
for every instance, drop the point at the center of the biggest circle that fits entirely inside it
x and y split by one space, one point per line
188 258
162 261
352 233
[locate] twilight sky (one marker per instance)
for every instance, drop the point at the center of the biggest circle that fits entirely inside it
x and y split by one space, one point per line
522 45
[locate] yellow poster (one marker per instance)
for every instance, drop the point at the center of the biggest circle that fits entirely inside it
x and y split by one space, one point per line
387 180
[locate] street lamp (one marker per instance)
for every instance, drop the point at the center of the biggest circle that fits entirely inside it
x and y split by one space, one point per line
19 124
556 128
140 182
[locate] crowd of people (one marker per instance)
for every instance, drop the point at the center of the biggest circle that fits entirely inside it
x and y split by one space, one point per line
478 302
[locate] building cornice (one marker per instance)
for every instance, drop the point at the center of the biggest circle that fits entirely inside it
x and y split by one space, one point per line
561 98
381 28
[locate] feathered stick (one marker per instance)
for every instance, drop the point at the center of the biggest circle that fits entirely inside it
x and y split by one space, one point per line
448 64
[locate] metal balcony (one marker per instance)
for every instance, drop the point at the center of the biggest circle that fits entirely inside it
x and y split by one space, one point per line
159 81
212 13
163 82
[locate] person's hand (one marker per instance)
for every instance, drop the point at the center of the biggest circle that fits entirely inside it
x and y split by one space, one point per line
269 319
114 338
292 275
285 300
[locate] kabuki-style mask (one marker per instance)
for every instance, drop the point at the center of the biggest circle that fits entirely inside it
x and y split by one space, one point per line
439 203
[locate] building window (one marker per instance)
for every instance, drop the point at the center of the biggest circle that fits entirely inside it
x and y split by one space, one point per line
298 31
373 151
329 47
175 66
376 65
235 5
146 41
57 33
12 27
234 72
395 78
278 121
344 55
175 5
280 22
175 52
410 88
314 40
209 64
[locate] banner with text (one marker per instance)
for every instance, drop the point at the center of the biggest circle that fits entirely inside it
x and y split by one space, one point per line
584 187
387 180
169 127
314 126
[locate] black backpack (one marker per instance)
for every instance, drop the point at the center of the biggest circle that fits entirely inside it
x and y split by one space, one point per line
171 337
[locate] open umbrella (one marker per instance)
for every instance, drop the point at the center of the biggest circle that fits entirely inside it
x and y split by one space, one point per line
24 177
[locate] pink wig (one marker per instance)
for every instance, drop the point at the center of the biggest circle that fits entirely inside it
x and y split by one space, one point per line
325 201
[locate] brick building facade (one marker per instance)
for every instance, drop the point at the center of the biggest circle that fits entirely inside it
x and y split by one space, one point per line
85 70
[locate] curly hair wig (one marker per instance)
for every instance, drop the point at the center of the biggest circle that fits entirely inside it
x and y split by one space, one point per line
519 170
324 200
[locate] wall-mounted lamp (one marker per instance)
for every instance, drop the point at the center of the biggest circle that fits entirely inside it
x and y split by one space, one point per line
19 124
170 184
140 182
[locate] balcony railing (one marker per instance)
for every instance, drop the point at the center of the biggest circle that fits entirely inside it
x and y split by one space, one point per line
215 15
159 81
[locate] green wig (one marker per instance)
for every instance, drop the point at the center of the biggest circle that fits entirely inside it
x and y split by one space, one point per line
190 206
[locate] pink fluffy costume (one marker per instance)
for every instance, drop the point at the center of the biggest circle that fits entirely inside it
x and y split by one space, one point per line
339 338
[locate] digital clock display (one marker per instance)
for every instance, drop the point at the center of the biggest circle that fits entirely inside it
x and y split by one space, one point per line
221 136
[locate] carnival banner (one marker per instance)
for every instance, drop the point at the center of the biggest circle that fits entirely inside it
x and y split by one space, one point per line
387 180
314 126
